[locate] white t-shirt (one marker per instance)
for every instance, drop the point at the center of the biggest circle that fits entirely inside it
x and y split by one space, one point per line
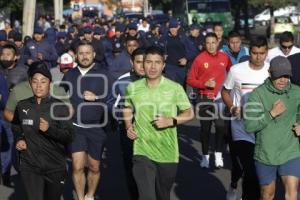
242 80
142 28
277 52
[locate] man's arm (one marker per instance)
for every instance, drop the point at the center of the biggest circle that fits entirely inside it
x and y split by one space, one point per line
128 116
165 122
234 110
10 106
257 117
8 115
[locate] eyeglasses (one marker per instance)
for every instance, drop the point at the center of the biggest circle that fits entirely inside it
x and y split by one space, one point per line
286 47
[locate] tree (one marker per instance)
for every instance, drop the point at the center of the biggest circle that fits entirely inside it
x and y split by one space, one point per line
165 5
15 5
275 3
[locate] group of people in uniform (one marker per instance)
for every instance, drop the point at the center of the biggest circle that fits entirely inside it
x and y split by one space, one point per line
62 87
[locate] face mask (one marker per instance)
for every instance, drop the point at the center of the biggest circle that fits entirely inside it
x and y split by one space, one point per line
6 63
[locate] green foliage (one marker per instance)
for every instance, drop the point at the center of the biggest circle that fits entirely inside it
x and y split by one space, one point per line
14 5
275 3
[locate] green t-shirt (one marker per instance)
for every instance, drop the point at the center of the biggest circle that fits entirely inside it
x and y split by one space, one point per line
166 99
23 91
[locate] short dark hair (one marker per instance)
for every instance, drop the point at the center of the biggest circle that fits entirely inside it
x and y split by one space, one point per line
82 43
233 34
286 36
259 41
137 52
218 24
10 46
155 50
131 38
211 34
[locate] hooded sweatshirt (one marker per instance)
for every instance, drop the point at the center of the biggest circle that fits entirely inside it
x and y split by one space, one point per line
275 142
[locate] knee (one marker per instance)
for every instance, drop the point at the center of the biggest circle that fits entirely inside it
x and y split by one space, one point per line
267 195
94 168
77 168
291 195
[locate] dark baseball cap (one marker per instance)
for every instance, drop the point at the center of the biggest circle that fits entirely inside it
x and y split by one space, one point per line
173 23
120 28
87 30
195 26
280 66
39 67
38 30
132 26
99 31
17 37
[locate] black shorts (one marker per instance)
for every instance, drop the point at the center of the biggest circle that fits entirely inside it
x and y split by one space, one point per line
90 140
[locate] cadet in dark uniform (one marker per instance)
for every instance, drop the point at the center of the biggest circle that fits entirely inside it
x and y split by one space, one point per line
152 37
176 53
39 49
118 40
62 46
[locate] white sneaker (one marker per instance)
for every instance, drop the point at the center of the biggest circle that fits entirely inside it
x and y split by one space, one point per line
219 159
88 198
205 161
231 194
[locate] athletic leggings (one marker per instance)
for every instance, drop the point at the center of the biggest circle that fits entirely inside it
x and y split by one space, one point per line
208 114
43 186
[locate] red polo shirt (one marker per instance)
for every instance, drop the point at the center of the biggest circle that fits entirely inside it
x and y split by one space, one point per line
207 66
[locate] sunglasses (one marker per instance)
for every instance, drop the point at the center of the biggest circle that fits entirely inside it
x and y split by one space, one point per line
286 47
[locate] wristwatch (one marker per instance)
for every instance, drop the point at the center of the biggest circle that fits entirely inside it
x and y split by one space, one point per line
174 121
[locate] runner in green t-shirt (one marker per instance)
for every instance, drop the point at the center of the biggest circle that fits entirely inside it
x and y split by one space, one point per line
158 105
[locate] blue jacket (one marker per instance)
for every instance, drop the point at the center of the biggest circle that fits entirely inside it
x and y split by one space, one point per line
47 49
89 112
177 47
120 65
235 59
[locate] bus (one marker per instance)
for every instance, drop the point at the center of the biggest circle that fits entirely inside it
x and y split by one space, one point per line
213 11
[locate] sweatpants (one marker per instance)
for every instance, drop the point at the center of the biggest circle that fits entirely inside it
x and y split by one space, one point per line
47 186
154 180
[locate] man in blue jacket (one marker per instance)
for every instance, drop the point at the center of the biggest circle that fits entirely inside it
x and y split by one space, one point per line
88 85
39 49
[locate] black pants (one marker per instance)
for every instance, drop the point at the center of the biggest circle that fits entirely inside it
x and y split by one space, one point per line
154 180
43 186
250 185
209 114
236 167
127 153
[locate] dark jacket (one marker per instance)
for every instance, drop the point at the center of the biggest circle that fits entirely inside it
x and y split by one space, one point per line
48 50
46 151
121 64
15 75
95 80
